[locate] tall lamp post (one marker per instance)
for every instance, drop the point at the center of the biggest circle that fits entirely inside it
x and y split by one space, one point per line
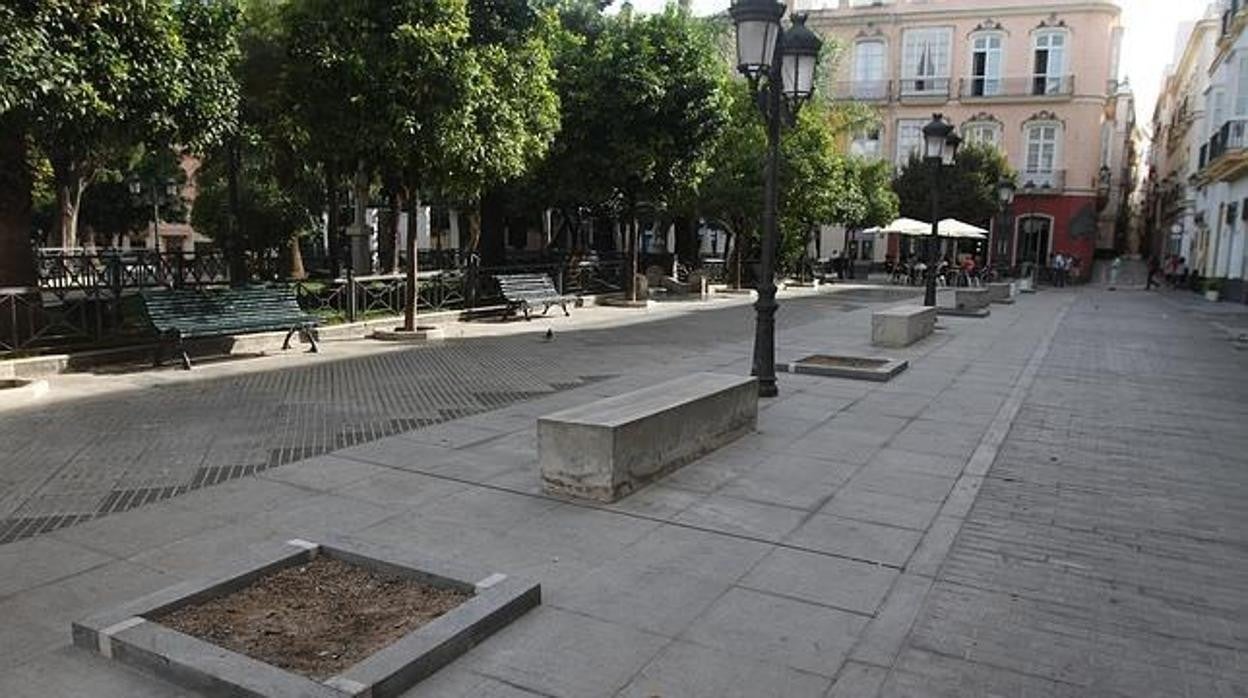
940 149
1001 246
781 73
156 195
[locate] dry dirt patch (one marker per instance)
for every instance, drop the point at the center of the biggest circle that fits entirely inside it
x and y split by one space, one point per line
315 619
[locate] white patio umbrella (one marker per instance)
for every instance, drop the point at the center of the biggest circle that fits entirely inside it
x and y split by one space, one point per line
904 226
954 228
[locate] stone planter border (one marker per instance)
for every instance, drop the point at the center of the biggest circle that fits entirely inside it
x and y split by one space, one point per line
882 373
124 634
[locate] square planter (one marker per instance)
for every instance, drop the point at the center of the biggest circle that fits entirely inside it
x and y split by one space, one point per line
128 635
871 368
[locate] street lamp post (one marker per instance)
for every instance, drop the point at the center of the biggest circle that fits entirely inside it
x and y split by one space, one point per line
940 148
1005 195
781 73
156 196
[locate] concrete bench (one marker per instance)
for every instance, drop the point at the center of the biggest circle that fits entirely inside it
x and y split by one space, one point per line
606 449
1001 292
902 325
971 298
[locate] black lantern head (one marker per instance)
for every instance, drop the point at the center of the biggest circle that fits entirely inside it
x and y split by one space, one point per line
800 54
936 138
758 30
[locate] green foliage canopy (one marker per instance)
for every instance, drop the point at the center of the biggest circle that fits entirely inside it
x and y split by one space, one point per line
968 189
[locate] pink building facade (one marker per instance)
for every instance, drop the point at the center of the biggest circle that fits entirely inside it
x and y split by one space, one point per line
1038 79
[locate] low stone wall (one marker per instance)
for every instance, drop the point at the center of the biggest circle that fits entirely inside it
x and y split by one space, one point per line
1001 292
902 325
972 298
608 448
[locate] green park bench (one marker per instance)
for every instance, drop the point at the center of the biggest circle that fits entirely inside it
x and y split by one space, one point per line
524 292
181 314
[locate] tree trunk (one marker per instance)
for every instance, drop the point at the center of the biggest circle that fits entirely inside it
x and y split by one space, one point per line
235 254
388 240
70 182
474 230
17 259
412 292
332 239
493 230
296 270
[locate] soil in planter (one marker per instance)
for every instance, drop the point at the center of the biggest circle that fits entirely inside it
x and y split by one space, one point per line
315 619
842 361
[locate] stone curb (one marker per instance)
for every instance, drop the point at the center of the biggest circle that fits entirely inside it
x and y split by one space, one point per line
122 633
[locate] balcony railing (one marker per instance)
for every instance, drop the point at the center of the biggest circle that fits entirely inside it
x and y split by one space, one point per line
863 90
977 87
1041 182
1230 137
925 88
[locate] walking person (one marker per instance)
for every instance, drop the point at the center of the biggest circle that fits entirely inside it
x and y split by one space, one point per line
1114 267
1154 266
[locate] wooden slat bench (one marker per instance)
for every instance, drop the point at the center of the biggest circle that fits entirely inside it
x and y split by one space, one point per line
181 314
524 292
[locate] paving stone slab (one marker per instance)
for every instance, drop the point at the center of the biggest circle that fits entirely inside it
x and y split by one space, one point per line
886 545
753 625
844 584
692 671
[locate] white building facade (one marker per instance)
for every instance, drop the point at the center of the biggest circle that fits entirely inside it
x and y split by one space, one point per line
1218 249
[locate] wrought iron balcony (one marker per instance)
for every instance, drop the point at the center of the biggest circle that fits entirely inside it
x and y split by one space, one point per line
863 90
925 88
1227 158
1035 86
1229 137
1040 182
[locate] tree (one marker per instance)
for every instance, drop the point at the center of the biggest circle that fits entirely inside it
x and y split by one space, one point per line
968 190
510 113
644 103
85 81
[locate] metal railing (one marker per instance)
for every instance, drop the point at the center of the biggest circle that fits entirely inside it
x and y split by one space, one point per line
83 298
982 87
1231 136
863 90
1041 182
925 88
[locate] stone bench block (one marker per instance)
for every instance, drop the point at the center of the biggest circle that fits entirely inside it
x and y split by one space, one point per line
1001 292
972 298
902 326
608 448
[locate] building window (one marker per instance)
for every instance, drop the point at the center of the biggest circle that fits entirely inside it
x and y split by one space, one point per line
925 60
1050 63
1241 88
986 57
1219 111
866 143
1043 142
982 132
1107 143
909 139
870 70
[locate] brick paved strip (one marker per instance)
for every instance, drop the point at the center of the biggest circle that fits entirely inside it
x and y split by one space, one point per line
1106 553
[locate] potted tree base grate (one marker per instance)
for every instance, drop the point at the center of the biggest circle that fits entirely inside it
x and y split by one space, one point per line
310 620
872 368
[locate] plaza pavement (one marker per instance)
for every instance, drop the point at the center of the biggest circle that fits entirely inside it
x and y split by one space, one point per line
1050 501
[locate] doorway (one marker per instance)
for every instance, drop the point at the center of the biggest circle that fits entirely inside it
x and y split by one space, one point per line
1035 236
